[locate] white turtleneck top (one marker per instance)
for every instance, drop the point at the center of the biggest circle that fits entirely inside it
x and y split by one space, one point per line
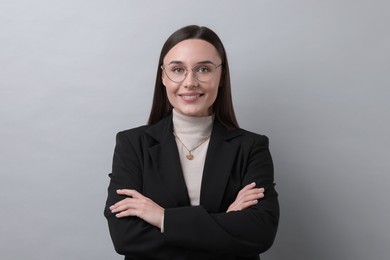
192 131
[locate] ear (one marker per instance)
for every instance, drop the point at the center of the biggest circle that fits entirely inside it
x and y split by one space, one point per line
163 79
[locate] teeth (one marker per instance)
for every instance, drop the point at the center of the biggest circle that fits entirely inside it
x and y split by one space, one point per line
191 97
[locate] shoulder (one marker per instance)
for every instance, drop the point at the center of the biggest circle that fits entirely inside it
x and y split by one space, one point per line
133 133
239 136
249 143
148 133
135 137
245 137
254 145
130 140
255 136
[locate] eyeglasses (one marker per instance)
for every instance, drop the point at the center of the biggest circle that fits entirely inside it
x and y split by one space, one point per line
177 72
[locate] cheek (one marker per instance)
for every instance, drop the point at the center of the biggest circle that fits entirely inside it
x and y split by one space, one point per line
215 94
170 90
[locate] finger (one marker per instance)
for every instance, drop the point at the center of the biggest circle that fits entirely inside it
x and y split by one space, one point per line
126 213
252 191
249 186
247 199
242 205
122 202
133 202
246 188
123 205
129 192
256 197
250 195
128 201
249 204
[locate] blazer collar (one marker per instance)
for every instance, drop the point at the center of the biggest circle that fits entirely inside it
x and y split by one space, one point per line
220 158
219 162
166 162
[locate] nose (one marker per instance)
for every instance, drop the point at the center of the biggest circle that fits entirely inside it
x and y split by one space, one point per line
190 81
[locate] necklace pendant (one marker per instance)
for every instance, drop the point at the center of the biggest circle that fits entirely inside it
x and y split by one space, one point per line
189 157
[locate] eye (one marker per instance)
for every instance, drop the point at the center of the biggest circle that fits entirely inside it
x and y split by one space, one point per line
178 70
203 70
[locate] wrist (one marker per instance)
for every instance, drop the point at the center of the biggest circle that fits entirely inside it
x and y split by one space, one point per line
162 223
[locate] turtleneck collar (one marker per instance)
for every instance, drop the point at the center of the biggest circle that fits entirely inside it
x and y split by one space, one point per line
190 126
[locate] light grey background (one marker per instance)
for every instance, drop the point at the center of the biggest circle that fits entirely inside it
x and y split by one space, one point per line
312 75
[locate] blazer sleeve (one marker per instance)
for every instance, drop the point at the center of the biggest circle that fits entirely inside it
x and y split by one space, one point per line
247 232
132 236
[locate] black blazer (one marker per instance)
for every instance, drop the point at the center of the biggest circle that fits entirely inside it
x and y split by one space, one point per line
147 159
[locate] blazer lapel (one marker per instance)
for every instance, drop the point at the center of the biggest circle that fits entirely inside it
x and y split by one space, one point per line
218 166
166 163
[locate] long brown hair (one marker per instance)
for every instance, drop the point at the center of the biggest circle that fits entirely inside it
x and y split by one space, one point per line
223 105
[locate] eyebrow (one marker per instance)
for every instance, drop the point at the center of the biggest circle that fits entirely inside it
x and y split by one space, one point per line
200 62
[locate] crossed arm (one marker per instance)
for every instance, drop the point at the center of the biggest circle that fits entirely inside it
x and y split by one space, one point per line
137 205
248 228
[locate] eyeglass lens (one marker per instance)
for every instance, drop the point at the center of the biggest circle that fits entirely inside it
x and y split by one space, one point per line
178 73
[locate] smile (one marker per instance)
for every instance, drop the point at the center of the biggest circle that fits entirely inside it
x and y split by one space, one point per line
190 97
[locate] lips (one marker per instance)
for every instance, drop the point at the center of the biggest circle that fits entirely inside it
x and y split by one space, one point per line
190 97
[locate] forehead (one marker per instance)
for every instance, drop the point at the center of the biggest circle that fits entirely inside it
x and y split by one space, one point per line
192 51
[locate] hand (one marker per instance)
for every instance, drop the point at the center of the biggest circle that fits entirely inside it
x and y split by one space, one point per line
139 206
246 197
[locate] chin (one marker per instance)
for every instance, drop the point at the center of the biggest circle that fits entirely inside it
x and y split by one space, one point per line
194 113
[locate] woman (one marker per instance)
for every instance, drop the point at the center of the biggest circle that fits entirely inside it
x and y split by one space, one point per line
191 184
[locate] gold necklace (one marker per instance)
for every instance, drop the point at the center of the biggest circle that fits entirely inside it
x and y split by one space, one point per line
190 156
